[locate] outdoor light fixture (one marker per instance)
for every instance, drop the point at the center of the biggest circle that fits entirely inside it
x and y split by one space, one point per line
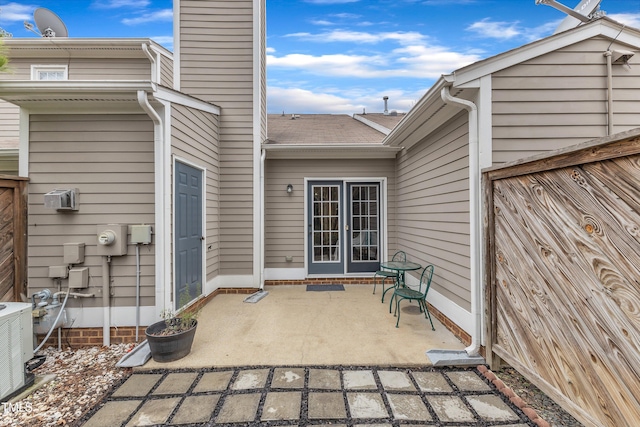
289 188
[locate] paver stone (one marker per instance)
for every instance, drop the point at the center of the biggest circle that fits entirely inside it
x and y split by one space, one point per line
326 405
154 412
282 406
395 380
431 382
196 409
492 408
252 378
359 380
468 381
366 405
137 385
113 413
326 379
238 408
176 383
288 378
450 409
408 407
213 381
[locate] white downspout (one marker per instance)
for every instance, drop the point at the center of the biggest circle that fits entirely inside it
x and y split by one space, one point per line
475 220
161 217
263 156
608 54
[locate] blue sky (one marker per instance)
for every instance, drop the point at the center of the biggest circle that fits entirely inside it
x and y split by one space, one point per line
341 56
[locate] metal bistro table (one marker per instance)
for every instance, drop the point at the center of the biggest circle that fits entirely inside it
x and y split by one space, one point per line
401 267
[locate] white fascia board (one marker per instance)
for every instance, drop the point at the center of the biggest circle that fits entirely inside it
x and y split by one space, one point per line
170 95
23 89
331 151
415 116
602 27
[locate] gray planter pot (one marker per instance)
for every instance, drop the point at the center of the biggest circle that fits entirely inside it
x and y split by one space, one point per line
167 348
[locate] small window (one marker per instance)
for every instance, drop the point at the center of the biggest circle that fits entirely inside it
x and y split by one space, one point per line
49 72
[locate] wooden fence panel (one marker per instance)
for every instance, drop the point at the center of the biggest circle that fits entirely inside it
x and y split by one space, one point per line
564 295
13 239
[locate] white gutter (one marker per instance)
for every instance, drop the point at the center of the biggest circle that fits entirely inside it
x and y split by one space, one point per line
161 194
155 65
475 220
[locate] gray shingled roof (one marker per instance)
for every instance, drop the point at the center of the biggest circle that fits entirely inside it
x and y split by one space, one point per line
320 129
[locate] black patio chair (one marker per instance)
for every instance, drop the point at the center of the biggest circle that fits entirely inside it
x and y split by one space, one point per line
411 294
389 274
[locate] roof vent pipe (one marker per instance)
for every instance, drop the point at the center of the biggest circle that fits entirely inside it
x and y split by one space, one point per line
386 110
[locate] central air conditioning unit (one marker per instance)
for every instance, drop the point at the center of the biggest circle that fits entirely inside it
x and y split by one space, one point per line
16 336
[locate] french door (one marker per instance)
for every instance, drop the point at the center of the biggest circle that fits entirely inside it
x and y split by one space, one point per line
343 221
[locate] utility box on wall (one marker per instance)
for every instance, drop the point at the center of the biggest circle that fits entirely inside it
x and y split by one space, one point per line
112 239
65 199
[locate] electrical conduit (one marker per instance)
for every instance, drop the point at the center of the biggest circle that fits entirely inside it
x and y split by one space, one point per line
475 220
106 303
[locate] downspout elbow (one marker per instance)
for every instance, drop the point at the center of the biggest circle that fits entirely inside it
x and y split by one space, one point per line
475 220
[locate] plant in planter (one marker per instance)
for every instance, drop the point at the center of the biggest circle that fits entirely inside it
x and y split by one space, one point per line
171 338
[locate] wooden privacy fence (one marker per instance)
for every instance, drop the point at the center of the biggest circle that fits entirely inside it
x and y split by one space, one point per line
13 237
563 272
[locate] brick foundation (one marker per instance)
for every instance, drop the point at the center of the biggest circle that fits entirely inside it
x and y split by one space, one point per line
82 337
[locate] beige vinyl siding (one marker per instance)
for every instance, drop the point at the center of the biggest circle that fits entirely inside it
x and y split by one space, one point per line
84 68
433 207
9 161
166 71
109 158
284 213
9 125
195 139
216 59
560 99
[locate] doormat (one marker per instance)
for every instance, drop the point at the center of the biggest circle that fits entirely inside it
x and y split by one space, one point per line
316 288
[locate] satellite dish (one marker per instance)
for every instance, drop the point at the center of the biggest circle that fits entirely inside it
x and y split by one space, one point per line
585 11
49 24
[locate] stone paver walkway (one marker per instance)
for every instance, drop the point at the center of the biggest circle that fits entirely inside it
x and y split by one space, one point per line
308 396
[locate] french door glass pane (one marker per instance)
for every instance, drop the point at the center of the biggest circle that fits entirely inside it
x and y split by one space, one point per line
364 223
326 223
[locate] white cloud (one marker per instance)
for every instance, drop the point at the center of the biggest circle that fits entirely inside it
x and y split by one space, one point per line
344 36
15 12
115 4
496 30
164 15
430 61
292 100
329 65
629 19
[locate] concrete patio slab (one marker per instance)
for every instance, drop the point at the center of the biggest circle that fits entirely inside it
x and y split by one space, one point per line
239 408
432 382
491 408
293 327
288 378
450 409
154 412
253 378
113 413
